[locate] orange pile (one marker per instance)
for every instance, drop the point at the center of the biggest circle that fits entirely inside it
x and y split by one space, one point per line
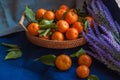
63 62
66 20
84 62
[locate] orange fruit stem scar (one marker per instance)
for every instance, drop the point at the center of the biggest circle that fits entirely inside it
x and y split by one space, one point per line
72 34
63 26
82 71
33 28
71 17
78 26
49 15
63 62
39 13
85 60
57 36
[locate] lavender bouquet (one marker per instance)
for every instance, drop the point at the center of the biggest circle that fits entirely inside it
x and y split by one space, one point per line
104 39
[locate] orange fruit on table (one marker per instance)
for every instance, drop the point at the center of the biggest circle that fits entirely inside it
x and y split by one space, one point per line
82 71
62 25
71 17
90 19
65 7
49 15
57 36
39 13
78 26
59 13
63 62
33 28
72 34
85 60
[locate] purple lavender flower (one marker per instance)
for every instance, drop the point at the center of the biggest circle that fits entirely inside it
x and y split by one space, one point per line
110 49
100 9
112 42
104 42
96 28
108 17
103 56
94 7
111 23
94 55
107 32
91 12
117 26
90 29
95 49
104 7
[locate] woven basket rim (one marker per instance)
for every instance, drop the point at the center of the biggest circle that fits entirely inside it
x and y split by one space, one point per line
54 44
54 40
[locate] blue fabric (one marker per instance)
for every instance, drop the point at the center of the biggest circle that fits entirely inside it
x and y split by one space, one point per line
25 68
11 11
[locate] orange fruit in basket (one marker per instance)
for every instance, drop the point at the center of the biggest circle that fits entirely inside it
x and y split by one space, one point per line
63 62
71 16
33 28
64 7
59 13
78 26
62 25
57 36
85 60
49 15
82 71
39 13
72 34
90 19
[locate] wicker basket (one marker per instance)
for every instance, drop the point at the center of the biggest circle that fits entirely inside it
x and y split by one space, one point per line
52 43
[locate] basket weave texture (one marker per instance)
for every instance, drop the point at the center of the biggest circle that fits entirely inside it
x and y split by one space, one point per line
55 44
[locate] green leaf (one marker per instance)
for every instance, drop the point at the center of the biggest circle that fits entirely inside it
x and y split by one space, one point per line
81 19
41 31
78 53
46 26
86 25
47 59
30 14
9 45
46 22
13 49
116 38
45 33
13 54
92 77
64 15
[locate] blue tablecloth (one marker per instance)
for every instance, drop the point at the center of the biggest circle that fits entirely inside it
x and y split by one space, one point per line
25 68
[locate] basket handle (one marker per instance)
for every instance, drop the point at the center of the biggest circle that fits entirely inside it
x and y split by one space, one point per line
21 22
